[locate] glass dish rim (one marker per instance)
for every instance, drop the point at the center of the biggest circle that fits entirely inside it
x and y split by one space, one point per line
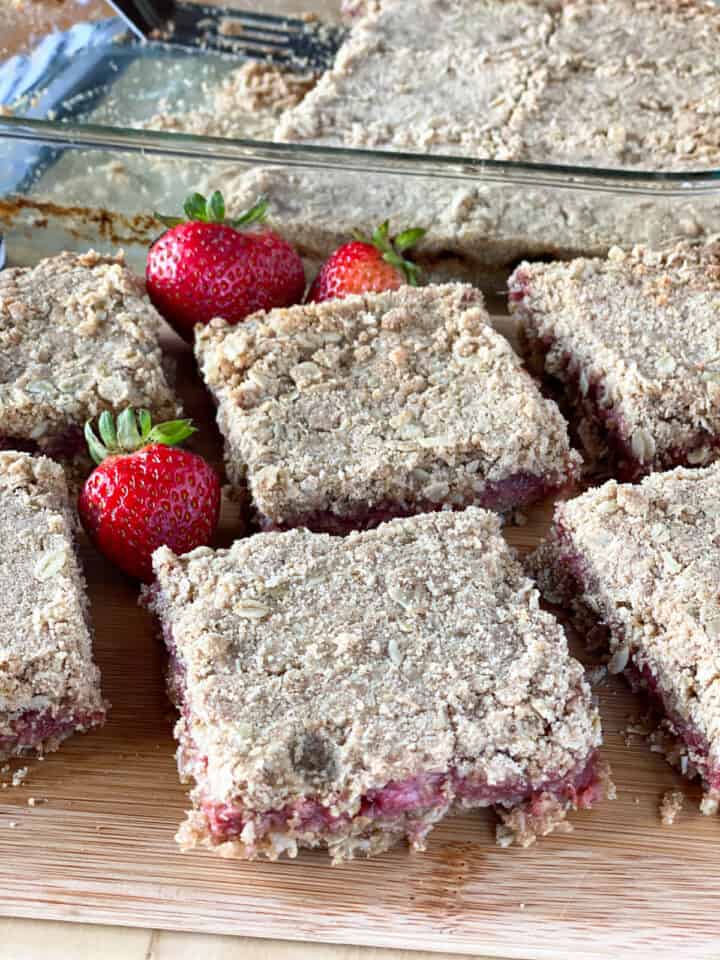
97 137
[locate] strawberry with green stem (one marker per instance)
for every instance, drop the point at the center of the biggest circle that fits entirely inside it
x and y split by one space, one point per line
368 265
145 493
206 265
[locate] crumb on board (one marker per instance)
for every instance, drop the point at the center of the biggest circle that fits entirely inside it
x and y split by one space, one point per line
670 806
19 776
638 727
12 824
597 675
8 778
710 803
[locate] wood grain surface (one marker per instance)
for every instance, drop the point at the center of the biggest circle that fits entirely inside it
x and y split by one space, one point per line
98 843
54 940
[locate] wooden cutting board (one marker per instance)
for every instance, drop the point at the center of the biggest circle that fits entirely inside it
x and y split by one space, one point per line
98 843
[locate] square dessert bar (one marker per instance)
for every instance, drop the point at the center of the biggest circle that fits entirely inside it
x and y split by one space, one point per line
77 336
49 684
643 561
635 342
343 414
347 692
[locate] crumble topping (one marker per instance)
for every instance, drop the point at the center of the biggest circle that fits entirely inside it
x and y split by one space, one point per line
403 396
639 331
323 667
647 560
247 103
45 638
77 336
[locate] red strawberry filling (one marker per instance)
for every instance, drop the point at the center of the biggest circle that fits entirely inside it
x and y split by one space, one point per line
576 579
519 489
413 798
30 729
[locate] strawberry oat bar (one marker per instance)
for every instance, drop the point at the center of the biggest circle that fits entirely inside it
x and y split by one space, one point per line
77 336
343 414
633 340
643 562
348 692
49 684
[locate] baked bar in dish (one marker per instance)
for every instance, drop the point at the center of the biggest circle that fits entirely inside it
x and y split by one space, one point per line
343 414
614 83
49 684
610 83
77 336
635 342
347 692
643 562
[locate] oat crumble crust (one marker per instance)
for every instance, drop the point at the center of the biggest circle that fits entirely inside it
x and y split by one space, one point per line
45 637
323 667
77 336
641 330
403 397
645 561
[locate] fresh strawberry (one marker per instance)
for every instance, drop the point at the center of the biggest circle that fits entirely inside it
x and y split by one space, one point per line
144 493
367 265
206 266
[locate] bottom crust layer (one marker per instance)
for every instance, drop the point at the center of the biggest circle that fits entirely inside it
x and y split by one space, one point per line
41 731
399 811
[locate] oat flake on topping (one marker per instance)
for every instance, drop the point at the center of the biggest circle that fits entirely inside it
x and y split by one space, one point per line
403 397
644 327
77 336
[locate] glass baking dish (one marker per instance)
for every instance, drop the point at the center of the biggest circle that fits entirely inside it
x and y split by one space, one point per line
68 186
79 167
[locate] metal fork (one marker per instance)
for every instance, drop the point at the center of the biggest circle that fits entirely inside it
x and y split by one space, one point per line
287 41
